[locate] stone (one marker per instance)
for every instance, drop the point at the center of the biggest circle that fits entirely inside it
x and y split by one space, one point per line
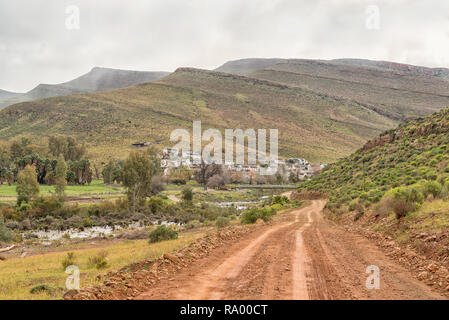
423 275
170 257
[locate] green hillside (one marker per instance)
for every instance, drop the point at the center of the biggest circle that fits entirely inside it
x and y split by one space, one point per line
402 167
314 126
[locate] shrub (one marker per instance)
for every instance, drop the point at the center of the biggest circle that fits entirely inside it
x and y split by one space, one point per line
6 235
68 260
222 222
267 213
297 204
24 206
404 200
162 233
47 205
432 187
187 194
280 200
252 215
353 205
99 261
192 224
358 215
41 288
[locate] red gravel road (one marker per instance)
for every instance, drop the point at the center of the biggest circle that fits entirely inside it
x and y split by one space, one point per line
298 256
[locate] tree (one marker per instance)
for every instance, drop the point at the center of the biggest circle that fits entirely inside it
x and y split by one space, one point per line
137 173
69 147
206 171
112 172
27 186
216 181
157 185
187 194
60 178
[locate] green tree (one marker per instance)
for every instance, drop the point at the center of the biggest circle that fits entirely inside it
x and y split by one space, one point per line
69 147
137 173
187 194
60 178
27 186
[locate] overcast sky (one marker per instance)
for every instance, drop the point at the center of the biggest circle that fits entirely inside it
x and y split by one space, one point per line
40 41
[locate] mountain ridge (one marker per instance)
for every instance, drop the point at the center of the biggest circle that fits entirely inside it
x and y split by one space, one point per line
96 80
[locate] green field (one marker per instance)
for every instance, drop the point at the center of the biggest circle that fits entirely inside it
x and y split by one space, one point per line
95 188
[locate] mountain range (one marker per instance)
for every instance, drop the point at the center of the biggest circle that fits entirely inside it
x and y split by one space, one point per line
96 80
324 110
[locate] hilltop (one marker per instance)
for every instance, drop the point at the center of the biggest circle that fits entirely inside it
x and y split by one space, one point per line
387 65
247 66
314 126
96 80
398 93
7 94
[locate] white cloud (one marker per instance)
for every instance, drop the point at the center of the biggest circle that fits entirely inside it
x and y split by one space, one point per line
35 45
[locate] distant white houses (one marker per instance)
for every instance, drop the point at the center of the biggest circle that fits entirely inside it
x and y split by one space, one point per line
299 167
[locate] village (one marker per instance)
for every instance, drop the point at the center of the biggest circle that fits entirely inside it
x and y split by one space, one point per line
291 169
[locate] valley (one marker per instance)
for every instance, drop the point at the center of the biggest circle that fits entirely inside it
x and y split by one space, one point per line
219 232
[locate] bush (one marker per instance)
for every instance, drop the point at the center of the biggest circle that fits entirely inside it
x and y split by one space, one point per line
267 213
353 205
162 233
403 200
6 235
68 260
222 222
192 224
187 194
252 215
432 187
47 205
24 207
99 261
41 288
280 200
276 206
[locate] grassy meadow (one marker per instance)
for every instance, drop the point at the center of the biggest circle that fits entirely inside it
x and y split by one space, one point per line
19 275
95 188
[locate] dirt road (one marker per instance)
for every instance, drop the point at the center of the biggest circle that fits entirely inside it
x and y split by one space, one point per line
300 255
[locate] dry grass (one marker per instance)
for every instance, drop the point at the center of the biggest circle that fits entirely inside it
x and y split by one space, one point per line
18 276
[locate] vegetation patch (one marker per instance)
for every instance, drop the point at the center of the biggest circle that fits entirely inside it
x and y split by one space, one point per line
162 233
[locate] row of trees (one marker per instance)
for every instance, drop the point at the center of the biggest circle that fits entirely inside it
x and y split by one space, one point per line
20 154
28 187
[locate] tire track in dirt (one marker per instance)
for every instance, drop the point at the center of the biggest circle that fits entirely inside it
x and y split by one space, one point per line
339 262
299 255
